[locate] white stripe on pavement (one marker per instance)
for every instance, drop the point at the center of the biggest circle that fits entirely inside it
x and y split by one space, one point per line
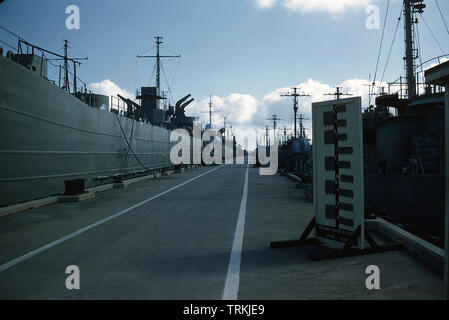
232 284
93 225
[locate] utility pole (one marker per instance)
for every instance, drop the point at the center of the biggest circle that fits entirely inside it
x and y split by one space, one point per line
338 94
295 96
158 61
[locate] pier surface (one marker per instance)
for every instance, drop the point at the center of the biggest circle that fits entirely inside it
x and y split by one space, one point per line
194 235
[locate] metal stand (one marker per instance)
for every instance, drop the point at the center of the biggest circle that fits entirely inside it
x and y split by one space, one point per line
302 241
346 251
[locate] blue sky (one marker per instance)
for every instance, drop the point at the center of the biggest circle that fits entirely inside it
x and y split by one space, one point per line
240 51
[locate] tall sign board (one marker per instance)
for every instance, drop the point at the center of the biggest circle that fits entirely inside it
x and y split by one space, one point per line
338 170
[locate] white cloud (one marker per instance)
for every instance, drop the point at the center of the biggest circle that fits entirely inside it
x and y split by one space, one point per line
249 114
238 108
329 6
265 3
109 88
333 7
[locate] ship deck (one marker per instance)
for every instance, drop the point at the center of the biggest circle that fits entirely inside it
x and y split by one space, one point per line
179 237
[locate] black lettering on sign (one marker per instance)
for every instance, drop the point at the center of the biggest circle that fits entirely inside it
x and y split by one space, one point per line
332 233
345 150
346 193
347 178
342 137
344 164
346 206
329 137
341 108
330 187
331 212
342 123
329 163
328 118
346 222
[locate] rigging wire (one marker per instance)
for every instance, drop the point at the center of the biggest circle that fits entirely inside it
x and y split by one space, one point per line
8 45
126 158
75 51
129 145
166 81
417 39
392 44
152 75
148 50
442 17
380 50
176 73
135 78
169 50
433 35
9 31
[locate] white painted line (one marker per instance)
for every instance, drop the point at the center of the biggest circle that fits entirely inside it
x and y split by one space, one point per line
231 289
93 225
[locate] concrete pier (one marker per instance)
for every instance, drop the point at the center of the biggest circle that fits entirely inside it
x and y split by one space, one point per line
172 238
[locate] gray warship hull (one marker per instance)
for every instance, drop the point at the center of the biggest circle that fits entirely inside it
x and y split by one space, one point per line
48 136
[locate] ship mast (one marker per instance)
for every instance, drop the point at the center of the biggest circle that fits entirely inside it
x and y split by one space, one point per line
275 120
158 61
338 94
302 131
411 7
295 96
66 66
409 59
210 111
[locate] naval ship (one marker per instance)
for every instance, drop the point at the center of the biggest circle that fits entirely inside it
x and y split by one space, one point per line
404 141
54 132
295 154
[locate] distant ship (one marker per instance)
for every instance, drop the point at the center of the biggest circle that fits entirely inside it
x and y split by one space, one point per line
55 132
295 154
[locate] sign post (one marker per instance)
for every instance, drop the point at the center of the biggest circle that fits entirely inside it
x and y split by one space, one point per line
338 191
338 171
